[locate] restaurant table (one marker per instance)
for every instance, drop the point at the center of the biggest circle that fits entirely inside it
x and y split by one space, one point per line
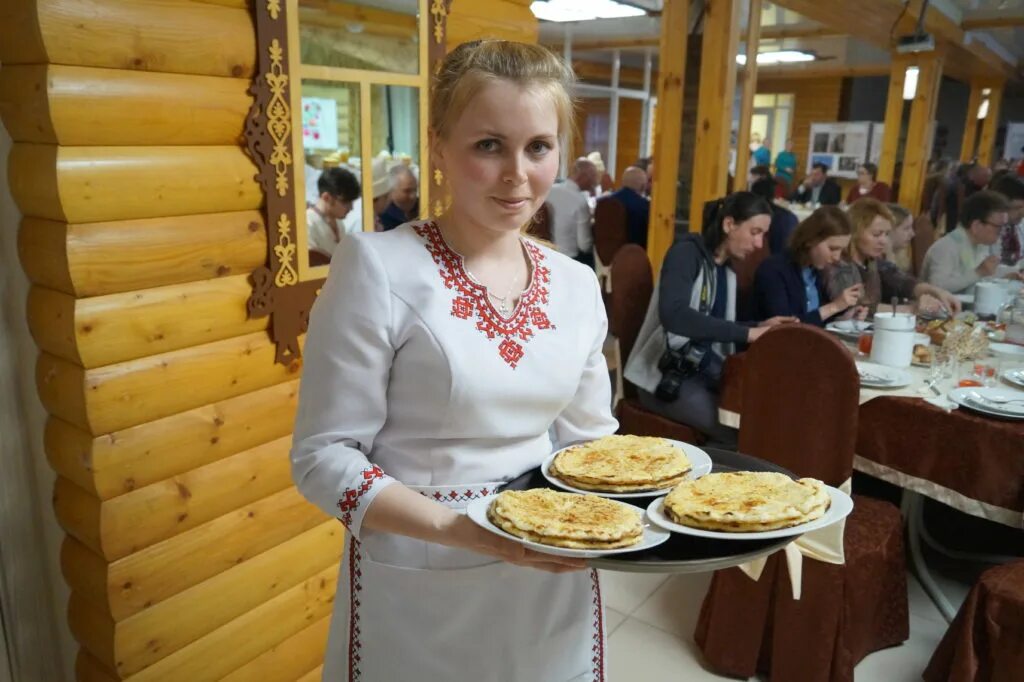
968 461
683 553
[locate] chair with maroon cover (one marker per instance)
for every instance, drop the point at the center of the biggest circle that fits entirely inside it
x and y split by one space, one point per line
924 237
632 287
799 410
985 642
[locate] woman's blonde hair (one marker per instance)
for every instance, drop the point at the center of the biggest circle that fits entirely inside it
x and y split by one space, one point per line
862 213
471 66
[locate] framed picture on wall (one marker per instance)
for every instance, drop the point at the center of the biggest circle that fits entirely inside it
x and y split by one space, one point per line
841 146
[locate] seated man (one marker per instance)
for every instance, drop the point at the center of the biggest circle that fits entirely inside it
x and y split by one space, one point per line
962 257
638 209
818 188
404 196
338 188
570 213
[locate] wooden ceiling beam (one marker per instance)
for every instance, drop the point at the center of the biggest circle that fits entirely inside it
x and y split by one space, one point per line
982 19
604 44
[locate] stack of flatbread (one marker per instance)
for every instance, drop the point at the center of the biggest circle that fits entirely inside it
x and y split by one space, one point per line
621 464
566 519
746 501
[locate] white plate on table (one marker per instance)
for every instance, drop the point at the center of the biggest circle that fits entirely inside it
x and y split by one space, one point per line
873 375
851 329
1007 350
700 464
839 509
1014 376
653 535
981 400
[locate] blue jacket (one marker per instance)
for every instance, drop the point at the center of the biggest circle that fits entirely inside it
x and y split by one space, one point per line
638 211
779 290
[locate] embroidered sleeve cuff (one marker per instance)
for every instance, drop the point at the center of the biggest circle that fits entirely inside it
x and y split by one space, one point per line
354 501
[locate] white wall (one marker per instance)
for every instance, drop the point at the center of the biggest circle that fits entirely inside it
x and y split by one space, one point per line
32 593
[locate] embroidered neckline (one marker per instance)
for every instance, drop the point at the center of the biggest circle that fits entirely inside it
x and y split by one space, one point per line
471 298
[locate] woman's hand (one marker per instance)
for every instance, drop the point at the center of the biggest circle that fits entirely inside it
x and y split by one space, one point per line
848 298
754 333
468 535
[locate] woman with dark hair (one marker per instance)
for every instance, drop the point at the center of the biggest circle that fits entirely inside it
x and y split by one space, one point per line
691 321
868 185
792 283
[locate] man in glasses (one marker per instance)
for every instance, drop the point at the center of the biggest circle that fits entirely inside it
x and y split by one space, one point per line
961 258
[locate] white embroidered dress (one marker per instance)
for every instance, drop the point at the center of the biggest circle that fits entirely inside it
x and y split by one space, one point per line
411 375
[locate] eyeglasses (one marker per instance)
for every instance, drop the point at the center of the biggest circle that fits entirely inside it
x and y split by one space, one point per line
997 226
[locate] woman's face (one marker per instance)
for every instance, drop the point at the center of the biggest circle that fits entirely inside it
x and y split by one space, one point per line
828 251
902 234
872 242
501 156
742 239
864 177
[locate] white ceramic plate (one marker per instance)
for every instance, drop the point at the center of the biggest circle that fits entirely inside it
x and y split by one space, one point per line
1007 350
873 375
653 535
979 400
1014 376
847 330
699 461
840 508
966 299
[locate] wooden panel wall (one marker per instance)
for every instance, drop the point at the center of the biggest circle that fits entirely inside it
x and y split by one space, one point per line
815 100
189 554
478 19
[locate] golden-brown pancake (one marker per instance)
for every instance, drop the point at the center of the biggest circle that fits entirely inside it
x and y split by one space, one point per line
746 501
621 464
566 519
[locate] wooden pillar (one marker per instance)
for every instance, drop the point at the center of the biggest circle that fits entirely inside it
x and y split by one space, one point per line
714 106
919 131
971 124
991 123
668 128
893 119
749 89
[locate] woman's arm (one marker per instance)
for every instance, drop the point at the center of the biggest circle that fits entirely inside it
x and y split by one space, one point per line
678 275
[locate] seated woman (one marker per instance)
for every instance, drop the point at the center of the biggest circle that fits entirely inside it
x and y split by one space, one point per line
690 324
865 263
900 237
868 185
791 283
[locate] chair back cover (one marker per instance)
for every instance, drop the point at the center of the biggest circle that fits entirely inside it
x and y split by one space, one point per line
610 232
800 403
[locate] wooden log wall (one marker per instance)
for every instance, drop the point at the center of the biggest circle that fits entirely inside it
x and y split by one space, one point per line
815 100
189 554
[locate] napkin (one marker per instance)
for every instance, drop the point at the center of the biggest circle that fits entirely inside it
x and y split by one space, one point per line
824 544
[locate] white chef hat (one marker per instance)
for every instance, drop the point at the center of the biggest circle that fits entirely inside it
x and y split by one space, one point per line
380 167
595 158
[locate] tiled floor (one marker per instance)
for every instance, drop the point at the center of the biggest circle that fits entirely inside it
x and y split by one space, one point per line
651 620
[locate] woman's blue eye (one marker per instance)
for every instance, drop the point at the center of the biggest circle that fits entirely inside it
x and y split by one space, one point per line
487 145
539 147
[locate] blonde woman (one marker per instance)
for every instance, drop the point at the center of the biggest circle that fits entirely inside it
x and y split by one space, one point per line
865 263
440 356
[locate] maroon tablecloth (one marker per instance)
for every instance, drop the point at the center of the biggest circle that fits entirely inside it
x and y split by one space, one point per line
901 439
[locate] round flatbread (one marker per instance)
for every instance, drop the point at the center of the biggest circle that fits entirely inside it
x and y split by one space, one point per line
746 501
621 464
556 518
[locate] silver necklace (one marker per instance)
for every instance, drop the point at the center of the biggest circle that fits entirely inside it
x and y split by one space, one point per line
503 301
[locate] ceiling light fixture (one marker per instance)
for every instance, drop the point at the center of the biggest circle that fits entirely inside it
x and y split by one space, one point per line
983 109
778 57
910 82
575 10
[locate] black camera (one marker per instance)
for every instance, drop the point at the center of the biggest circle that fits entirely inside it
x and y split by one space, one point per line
677 364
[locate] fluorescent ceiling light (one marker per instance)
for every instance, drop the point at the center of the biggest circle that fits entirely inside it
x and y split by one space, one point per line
583 10
910 83
983 109
778 57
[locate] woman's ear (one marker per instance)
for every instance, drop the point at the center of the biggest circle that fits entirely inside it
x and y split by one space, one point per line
727 224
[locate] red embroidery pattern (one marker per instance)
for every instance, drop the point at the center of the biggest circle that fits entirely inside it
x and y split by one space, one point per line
458 495
472 299
355 586
598 636
348 504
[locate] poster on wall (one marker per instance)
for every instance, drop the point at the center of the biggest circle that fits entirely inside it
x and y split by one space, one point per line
840 146
319 123
1014 146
